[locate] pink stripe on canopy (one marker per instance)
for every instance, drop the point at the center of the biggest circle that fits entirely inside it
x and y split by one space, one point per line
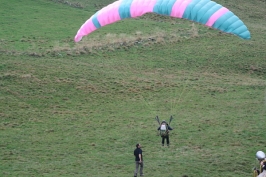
216 15
109 14
140 7
179 8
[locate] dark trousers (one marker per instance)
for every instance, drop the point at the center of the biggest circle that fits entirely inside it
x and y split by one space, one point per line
138 164
167 140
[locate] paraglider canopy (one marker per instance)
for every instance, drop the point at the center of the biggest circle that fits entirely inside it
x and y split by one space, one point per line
206 12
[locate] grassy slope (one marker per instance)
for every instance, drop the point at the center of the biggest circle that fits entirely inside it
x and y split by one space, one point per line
81 115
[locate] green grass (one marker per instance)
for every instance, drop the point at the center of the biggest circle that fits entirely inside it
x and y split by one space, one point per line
79 109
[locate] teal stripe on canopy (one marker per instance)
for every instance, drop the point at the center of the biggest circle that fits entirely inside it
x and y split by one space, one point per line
192 9
241 30
224 21
235 23
230 23
95 21
124 9
164 7
205 13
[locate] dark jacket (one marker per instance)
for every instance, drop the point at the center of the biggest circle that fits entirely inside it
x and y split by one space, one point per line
136 154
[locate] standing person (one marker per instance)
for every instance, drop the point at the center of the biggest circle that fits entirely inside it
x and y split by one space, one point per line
164 132
262 160
138 160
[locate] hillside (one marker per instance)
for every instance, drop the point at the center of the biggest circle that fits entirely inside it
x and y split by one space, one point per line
78 109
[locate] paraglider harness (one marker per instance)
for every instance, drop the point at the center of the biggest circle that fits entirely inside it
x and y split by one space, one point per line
256 171
164 129
164 132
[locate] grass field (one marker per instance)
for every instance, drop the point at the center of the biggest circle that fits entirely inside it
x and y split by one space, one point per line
78 109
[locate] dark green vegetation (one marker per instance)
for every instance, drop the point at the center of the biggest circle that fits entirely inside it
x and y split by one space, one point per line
79 109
